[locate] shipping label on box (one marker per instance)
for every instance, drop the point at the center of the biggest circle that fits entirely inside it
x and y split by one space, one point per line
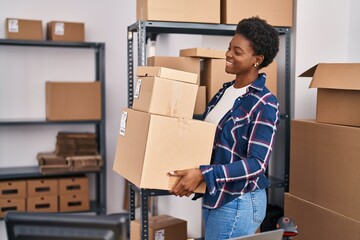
162 144
165 97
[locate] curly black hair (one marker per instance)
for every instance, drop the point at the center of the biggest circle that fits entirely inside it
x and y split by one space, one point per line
263 37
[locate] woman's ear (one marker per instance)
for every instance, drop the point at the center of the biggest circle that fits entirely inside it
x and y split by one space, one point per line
259 59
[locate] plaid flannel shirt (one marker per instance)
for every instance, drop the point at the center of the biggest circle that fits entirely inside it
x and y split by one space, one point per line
242 146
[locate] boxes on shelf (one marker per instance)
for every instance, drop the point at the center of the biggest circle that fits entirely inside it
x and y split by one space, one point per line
66 101
200 103
324 162
23 29
186 64
42 187
338 92
166 96
12 189
278 13
66 31
73 185
202 53
163 144
42 204
161 227
74 202
12 204
316 222
206 11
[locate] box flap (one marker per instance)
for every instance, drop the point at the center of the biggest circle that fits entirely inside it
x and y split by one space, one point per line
334 76
168 73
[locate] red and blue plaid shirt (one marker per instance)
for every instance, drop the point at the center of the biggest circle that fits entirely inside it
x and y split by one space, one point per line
242 146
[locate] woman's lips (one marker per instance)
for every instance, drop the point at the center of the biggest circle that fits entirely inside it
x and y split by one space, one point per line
229 64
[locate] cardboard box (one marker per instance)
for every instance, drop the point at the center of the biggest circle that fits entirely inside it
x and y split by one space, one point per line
161 227
66 31
150 146
187 64
316 222
324 163
200 104
165 97
162 72
15 204
42 204
67 101
202 53
278 13
206 11
214 76
74 202
12 189
73 185
338 92
42 187
23 29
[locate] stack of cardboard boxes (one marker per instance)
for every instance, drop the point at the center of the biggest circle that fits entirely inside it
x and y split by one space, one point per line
324 163
45 195
158 135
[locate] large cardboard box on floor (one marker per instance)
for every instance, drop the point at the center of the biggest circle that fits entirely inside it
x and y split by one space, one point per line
187 64
213 76
324 163
23 29
278 13
316 222
66 31
164 96
161 227
206 11
66 101
150 146
338 92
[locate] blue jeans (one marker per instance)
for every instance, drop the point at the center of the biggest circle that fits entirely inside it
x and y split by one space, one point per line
240 217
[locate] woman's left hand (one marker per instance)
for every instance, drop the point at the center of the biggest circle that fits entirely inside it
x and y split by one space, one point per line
190 179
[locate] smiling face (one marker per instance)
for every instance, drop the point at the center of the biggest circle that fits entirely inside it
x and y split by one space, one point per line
240 59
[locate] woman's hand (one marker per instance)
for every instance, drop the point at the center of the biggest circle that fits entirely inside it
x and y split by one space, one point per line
190 179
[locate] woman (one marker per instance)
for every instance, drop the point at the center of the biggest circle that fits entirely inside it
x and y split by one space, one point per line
247 114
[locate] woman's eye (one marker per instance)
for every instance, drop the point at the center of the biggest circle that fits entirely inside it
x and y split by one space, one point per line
237 53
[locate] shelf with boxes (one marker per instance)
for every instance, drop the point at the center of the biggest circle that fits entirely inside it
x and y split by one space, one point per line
8 174
146 29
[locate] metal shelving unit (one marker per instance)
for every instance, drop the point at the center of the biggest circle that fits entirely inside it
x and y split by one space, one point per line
11 173
146 29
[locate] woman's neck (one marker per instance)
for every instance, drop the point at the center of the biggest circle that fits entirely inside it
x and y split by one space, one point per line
245 80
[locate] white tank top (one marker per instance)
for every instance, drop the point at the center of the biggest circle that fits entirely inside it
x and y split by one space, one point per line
225 104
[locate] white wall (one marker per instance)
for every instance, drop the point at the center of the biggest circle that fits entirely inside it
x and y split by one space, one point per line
326 31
